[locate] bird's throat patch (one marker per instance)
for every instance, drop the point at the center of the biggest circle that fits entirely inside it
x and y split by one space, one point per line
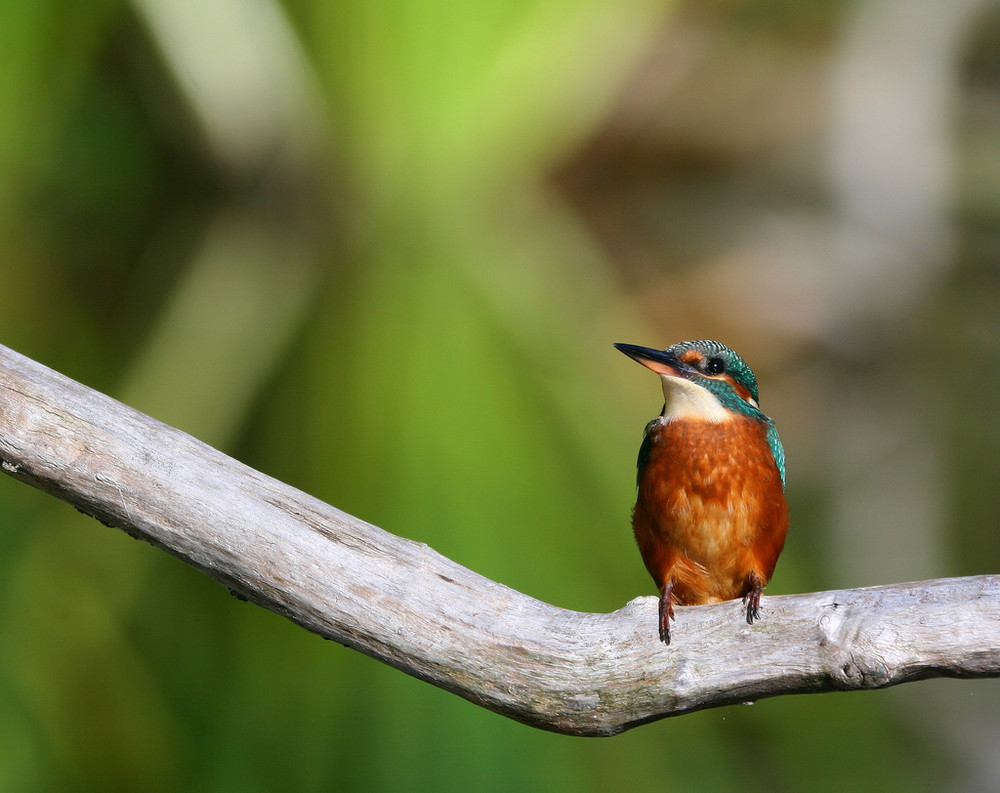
683 399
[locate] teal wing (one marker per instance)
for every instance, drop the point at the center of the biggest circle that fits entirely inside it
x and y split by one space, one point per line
776 449
645 450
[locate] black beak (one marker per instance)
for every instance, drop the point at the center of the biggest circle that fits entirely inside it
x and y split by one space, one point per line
660 361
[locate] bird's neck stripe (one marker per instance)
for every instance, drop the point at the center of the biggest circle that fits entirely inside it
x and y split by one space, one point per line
683 399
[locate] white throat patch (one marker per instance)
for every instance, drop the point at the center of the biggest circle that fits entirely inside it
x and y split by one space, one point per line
686 400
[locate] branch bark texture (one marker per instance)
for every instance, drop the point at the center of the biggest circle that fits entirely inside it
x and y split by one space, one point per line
406 605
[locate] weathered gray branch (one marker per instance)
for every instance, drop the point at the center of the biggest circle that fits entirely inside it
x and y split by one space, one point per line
402 603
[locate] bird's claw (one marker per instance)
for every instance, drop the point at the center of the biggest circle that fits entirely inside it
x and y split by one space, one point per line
752 598
666 613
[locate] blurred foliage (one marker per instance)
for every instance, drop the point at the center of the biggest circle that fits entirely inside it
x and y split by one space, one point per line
410 315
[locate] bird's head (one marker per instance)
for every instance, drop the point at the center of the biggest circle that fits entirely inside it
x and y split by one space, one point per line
701 379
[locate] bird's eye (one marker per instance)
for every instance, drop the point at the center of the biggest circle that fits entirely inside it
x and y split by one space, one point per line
715 366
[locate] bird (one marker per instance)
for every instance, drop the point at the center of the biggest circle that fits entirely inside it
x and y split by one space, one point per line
710 516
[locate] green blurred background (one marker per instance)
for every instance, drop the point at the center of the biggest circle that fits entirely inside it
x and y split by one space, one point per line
381 251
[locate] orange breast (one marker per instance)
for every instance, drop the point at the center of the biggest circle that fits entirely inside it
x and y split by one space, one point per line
711 508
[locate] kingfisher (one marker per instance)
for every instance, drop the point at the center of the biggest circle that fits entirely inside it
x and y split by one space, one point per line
710 517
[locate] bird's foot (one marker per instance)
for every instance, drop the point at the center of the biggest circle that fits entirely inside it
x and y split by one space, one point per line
666 612
752 598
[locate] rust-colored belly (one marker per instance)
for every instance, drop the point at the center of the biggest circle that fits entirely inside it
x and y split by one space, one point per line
711 509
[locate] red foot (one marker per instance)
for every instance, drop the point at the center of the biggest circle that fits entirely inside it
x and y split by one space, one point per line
752 598
666 612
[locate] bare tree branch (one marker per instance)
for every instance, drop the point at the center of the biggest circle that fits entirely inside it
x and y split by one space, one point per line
406 605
